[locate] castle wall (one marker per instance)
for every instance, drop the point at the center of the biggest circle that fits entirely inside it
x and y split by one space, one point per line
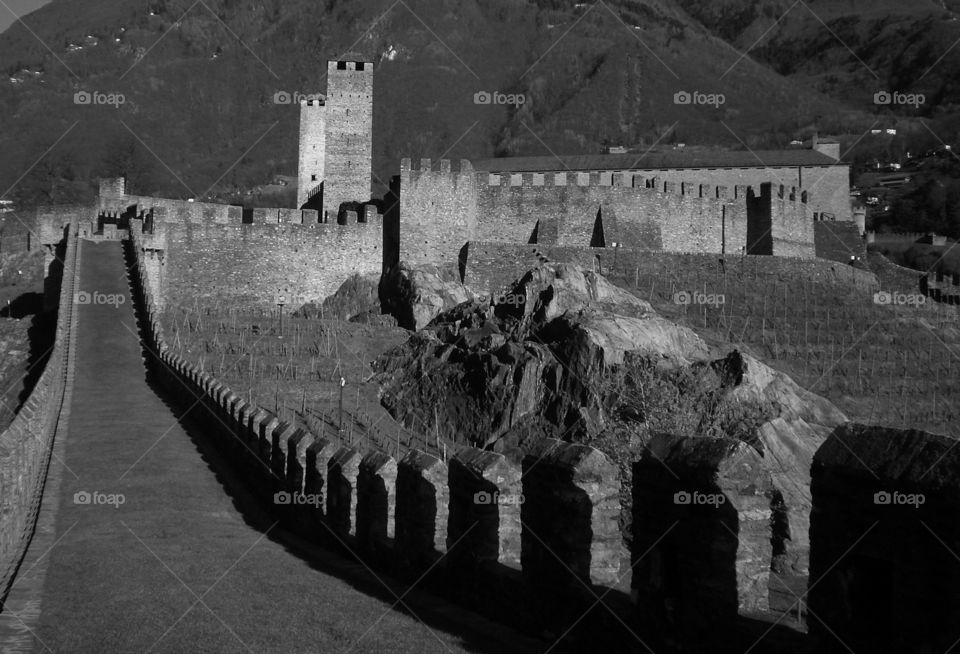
791 222
492 267
838 241
883 539
665 217
312 154
438 211
829 190
442 209
246 265
828 187
348 134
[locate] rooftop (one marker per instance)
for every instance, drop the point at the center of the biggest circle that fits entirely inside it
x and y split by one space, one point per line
656 160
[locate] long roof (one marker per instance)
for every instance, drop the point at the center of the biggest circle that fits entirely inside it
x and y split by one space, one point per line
658 160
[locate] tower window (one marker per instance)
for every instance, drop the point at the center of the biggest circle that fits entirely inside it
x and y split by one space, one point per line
313 178
341 65
359 65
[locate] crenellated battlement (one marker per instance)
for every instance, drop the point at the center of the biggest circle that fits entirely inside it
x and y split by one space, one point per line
694 189
441 166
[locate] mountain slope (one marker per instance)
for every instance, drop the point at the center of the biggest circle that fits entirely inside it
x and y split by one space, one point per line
198 83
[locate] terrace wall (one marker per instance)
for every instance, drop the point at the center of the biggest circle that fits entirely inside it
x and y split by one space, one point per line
492 267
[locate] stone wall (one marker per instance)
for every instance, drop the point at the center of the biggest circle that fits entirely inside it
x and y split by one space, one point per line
701 521
884 541
437 211
838 241
828 187
442 207
26 445
247 265
492 267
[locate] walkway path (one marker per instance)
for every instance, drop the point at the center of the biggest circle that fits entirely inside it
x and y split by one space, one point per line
170 554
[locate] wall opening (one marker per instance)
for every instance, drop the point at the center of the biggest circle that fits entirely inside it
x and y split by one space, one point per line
597 239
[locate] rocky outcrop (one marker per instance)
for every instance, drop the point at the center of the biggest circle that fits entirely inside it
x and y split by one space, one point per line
565 354
415 296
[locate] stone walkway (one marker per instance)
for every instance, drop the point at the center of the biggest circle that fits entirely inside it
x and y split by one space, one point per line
147 541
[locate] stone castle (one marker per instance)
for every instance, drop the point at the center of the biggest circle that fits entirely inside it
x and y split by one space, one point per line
488 218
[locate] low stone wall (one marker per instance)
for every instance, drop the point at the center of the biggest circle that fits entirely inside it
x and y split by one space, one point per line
26 445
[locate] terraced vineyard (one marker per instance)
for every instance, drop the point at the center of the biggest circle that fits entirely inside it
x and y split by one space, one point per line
889 363
295 370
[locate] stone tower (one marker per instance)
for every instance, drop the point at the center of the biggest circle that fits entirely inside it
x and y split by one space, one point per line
310 171
348 134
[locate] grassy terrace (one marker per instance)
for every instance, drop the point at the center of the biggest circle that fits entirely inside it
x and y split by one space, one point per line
296 372
879 363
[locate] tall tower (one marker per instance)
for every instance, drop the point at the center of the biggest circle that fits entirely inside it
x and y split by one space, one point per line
310 171
349 134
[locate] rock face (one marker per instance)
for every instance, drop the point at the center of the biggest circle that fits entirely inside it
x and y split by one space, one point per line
415 296
543 361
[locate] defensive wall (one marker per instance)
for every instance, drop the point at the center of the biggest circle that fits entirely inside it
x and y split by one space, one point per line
443 206
838 241
26 445
534 541
929 238
884 539
250 265
828 186
493 267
